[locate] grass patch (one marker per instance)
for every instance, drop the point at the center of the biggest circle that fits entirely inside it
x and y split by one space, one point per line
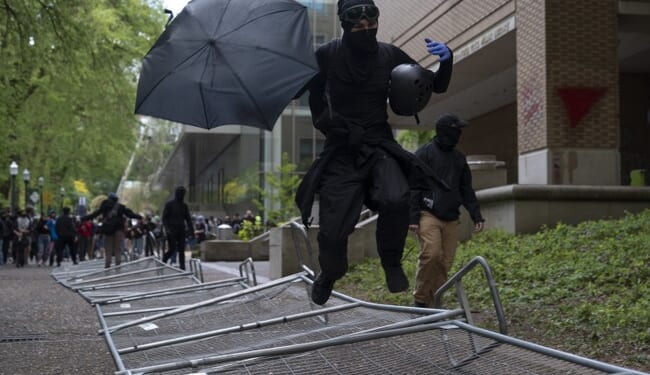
583 289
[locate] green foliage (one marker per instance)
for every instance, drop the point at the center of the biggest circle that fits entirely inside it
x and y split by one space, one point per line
68 71
413 139
250 230
584 289
281 187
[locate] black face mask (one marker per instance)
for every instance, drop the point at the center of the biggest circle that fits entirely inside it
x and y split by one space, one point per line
364 41
447 138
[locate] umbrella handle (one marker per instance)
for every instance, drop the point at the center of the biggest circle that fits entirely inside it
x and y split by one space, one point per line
171 15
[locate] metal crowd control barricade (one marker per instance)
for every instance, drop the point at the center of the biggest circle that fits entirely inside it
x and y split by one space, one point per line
235 326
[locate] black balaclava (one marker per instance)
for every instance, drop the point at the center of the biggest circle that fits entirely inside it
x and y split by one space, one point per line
448 131
179 194
359 48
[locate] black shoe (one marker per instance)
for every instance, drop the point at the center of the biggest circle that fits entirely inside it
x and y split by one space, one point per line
396 279
419 304
321 289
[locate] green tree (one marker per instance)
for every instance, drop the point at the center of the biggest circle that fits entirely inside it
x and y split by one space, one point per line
281 187
68 72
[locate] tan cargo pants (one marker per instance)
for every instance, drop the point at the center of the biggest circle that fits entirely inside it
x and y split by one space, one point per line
113 245
438 241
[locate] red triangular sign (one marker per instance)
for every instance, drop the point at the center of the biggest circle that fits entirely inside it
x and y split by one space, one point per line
578 101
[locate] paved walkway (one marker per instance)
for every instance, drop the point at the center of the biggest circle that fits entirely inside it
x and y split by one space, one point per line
46 328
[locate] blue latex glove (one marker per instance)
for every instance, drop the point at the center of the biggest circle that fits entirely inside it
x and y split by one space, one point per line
438 49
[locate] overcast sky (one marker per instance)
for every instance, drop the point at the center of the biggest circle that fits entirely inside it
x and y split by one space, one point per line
175 5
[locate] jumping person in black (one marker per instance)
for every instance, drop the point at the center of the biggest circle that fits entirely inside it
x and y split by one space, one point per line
177 222
361 162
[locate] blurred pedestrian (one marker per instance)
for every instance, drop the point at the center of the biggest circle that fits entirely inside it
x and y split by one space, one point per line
67 232
177 222
85 232
113 215
22 232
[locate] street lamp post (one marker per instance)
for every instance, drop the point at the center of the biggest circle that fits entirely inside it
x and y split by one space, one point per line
62 194
41 183
26 179
13 171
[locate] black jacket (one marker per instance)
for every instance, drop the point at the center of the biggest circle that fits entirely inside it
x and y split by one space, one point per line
105 208
451 166
65 227
176 217
356 116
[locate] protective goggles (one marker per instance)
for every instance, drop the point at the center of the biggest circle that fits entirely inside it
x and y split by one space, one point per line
358 12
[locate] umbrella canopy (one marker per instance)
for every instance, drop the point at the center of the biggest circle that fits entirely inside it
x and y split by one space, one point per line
223 62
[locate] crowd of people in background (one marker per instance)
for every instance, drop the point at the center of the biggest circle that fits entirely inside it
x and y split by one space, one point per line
27 237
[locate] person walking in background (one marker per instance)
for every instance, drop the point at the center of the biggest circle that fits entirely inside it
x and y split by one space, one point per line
434 214
67 233
113 215
43 240
85 232
21 245
5 236
51 224
177 222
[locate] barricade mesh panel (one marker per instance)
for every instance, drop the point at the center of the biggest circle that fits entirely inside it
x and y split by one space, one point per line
231 328
117 291
183 297
427 352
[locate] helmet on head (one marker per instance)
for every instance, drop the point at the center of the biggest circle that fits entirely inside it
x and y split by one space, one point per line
112 196
410 89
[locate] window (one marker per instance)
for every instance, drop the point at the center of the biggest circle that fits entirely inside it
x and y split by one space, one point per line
306 152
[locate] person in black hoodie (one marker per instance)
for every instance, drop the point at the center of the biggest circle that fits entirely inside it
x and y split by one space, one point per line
67 231
361 162
114 216
434 214
177 222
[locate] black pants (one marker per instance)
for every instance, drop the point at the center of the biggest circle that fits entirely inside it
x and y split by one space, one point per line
176 242
20 246
61 243
5 247
344 188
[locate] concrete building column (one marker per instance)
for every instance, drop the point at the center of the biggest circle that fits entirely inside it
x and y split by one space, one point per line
567 92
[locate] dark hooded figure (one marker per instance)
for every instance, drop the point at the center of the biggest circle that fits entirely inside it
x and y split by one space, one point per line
177 222
112 226
435 213
361 162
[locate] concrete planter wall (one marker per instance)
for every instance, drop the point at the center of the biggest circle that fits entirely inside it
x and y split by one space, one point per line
526 208
236 250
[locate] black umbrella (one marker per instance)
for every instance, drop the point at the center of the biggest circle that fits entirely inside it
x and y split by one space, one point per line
225 62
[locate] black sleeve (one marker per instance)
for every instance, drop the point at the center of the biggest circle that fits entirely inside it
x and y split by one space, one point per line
442 77
131 214
188 218
317 102
414 209
415 205
401 57
95 213
165 215
468 195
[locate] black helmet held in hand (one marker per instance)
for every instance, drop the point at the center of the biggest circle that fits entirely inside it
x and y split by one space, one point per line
411 87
